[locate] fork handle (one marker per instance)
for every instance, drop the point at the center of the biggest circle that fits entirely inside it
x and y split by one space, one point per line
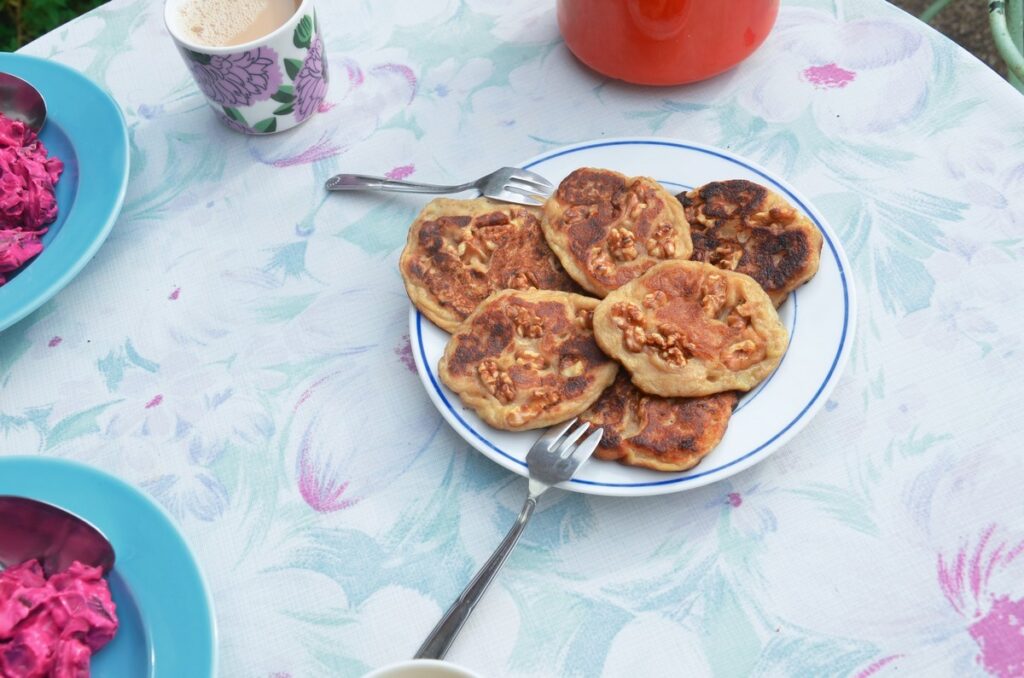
441 638
365 182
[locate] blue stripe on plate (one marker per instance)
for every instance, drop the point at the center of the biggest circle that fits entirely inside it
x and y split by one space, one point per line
798 417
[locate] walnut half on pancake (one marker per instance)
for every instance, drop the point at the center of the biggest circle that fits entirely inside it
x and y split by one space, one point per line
526 360
687 328
662 434
459 252
742 226
607 228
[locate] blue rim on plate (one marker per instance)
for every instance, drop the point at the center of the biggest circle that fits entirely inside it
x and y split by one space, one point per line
701 476
85 129
167 627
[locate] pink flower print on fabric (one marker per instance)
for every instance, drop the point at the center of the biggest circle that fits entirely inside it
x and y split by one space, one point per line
878 665
311 81
318 151
400 172
822 68
239 79
1000 635
828 76
968 580
318 484
404 353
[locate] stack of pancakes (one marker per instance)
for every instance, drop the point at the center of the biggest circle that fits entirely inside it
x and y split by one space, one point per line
545 304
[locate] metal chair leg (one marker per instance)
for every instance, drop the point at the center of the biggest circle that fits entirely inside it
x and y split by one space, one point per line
1008 33
932 10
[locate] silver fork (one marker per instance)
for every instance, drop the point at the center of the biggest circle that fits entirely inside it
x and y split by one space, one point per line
553 459
509 184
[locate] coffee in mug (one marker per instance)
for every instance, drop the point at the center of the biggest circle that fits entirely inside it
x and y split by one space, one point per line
224 23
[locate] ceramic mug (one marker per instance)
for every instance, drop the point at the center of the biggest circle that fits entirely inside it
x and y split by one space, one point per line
268 85
422 668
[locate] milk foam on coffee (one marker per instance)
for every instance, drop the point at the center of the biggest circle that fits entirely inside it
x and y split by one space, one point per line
222 23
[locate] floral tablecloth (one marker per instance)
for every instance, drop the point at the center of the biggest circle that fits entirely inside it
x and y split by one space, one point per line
238 349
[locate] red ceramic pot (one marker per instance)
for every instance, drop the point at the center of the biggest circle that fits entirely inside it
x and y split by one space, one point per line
664 42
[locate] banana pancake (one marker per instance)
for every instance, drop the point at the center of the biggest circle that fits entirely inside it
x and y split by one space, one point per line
742 226
525 360
459 252
607 228
663 434
686 328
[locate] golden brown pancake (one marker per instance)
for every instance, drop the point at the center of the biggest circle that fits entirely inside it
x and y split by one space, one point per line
742 226
686 328
528 359
461 251
607 228
663 434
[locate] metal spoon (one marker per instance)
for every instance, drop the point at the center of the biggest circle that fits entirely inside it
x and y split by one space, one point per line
21 101
31 529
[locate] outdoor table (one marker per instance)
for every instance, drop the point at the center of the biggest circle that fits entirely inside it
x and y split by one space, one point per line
239 350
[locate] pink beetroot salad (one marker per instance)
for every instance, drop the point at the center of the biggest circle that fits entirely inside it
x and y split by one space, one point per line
27 202
49 628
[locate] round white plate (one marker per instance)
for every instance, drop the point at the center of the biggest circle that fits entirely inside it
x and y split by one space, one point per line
819 317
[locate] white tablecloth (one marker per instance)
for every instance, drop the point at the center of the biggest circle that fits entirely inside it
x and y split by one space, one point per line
238 348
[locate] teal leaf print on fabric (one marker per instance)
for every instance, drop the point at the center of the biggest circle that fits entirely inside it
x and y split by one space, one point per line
797 653
184 160
782 149
904 283
381 230
9 422
656 119
14 340
1011 247
550 529
198 493
76 425
112 368
588 626
33 419
841 503
289 260
135 359
281 309
303 33
423 550
674 586
736 647
116 361
912 445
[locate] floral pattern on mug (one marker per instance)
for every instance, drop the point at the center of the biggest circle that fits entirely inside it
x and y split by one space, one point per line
311 81
233 119
239 79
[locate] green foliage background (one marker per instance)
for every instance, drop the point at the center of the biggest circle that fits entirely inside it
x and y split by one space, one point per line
22 21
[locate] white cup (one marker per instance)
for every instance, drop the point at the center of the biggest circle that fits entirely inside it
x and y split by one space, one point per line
422 668
264 86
